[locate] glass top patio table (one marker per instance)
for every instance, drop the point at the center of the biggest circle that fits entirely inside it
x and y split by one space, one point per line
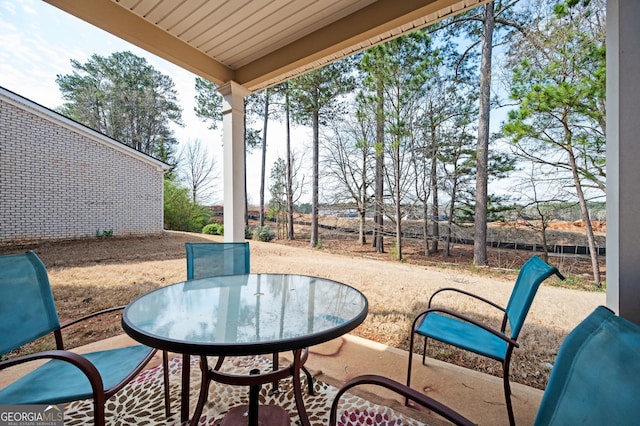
244 314
250 314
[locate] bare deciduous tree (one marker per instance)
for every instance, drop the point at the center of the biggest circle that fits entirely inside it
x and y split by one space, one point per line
349 152
198 169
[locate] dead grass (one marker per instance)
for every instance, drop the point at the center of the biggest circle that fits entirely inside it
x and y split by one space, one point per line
99 273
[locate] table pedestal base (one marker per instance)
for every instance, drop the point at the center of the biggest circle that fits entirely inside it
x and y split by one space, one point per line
268 415
254 380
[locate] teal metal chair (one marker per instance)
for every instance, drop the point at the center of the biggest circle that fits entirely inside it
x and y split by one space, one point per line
464 332
214 259
27 313
594 380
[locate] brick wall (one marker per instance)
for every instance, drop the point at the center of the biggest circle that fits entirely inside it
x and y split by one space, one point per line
60 180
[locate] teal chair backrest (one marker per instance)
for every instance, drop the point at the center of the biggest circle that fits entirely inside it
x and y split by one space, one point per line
595 379
214 259
27 309
531 275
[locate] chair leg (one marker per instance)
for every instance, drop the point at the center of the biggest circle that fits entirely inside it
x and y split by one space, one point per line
304 356
507 390
309 380
275 363
410 362
165 377
204 390
185 386
98 413
424 351
99 402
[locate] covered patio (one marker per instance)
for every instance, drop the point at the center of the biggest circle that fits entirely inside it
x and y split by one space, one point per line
249 46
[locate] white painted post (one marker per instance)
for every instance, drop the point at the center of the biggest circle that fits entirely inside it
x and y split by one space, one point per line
233 159
623 158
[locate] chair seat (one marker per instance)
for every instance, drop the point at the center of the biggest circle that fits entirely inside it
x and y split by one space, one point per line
463 335
58 382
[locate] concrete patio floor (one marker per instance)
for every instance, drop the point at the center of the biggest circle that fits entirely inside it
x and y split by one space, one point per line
475 395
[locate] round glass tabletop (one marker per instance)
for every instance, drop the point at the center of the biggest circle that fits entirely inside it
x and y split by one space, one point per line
244 314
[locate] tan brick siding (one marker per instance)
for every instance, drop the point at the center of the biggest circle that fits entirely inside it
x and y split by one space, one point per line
58 183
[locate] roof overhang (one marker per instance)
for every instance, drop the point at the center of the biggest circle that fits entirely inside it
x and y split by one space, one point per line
259 43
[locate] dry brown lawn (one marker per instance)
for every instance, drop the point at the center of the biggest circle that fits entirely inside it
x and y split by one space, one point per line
98 273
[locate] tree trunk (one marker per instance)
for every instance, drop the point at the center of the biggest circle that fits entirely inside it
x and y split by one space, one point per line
545 252
452 210
362 207
480 222
314 195
290 233
264 155
378 238
363 222
425 226
398 204
435 211
587 220
447 251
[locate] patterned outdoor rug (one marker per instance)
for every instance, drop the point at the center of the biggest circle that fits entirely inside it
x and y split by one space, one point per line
141 402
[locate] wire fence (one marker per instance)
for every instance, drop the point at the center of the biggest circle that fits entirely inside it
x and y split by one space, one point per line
525 238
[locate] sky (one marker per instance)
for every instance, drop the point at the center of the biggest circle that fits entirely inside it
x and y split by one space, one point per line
37 43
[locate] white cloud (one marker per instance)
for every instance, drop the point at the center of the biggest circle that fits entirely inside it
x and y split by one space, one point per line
28 9
9 7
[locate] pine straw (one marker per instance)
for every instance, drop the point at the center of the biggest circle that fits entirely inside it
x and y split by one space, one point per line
95 274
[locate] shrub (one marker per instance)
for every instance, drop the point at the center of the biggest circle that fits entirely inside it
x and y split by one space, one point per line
264 234
213 229
105 233
248 234
180 213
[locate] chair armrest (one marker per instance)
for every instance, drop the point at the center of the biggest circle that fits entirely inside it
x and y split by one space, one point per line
83 364
466 293
91 315
505 319
468 319
403 390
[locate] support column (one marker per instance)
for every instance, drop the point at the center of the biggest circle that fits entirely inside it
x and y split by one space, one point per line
623 158
233 159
